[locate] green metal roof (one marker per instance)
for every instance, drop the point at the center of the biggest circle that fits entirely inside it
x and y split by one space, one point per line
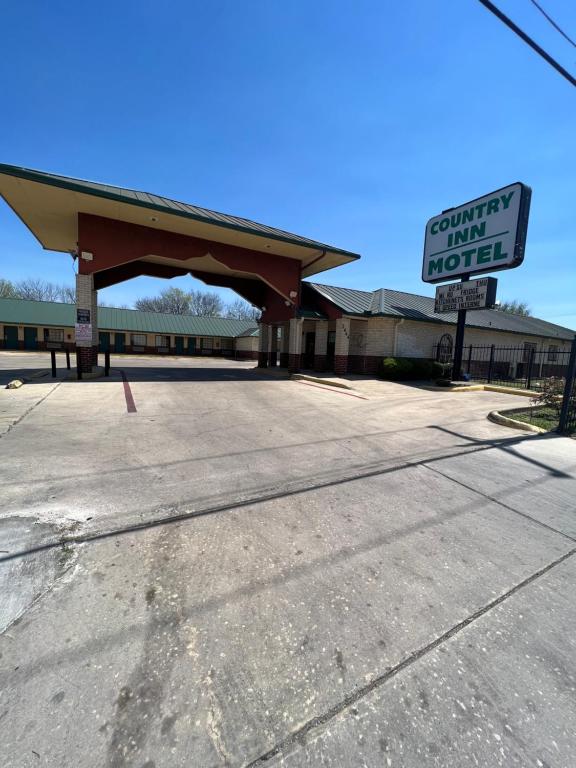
411 306
165 205
49 313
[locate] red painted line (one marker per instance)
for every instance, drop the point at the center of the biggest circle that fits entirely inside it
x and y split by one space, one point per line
130 404
335 390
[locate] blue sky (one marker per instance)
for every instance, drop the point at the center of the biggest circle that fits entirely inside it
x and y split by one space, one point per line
352 122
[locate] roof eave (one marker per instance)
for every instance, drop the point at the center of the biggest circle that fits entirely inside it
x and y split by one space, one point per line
61 182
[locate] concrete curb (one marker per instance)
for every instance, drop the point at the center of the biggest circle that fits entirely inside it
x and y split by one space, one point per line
97 373
493 388
506 421
277 374
314 380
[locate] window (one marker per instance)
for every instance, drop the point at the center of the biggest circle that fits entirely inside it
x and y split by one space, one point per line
227 344
553 353
138 339
54 338
54 334
529 348
207 343
163 341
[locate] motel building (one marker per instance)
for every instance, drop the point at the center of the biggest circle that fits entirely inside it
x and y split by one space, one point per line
46 325
114 234
341 330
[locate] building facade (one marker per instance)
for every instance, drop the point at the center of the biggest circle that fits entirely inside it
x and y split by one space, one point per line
350 331
339 329
42 325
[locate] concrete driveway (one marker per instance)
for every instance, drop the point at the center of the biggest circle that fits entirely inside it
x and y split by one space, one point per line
209 567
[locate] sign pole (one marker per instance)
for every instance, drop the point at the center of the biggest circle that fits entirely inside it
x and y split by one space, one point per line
459 346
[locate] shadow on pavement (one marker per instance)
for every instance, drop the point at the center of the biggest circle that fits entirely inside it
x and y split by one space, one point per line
358 473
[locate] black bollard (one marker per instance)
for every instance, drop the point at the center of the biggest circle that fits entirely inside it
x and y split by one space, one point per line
53 360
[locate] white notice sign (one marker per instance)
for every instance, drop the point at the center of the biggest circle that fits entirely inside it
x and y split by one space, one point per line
84 332
472 294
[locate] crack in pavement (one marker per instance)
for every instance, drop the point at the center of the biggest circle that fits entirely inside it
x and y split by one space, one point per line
298 737
494 500
32 407
294 488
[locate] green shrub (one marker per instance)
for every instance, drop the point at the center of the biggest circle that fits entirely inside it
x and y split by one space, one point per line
405 369
396 368
427 369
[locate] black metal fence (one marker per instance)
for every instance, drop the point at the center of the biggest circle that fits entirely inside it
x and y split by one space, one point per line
568 412
524 367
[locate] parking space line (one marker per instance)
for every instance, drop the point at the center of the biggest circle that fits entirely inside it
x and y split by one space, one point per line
130 404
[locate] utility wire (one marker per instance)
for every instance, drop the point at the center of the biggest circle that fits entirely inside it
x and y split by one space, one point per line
528 40
551 20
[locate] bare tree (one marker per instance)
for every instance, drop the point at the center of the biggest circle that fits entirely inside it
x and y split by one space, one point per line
7 290
515 307
172 301
34 289
67 294
241 310
112 306
206 304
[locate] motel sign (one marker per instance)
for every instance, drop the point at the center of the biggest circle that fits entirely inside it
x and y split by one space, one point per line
485 235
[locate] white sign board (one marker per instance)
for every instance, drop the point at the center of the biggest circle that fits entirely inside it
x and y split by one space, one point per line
472 294
484 235
83 332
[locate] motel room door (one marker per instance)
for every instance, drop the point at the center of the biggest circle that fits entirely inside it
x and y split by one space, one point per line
10 337
30 338
119 341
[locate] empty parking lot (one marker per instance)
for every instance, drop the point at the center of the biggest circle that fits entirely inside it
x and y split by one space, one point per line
209 566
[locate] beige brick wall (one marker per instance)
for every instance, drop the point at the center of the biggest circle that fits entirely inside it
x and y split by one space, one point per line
247 343
264 338
284 338
87 298
417 339
295 340
321 340
342 328
373 337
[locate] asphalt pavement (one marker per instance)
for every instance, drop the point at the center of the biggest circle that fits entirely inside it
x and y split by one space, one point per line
248 571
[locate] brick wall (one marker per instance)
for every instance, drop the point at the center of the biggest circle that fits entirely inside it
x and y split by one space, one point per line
373 337
416 339
246 347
